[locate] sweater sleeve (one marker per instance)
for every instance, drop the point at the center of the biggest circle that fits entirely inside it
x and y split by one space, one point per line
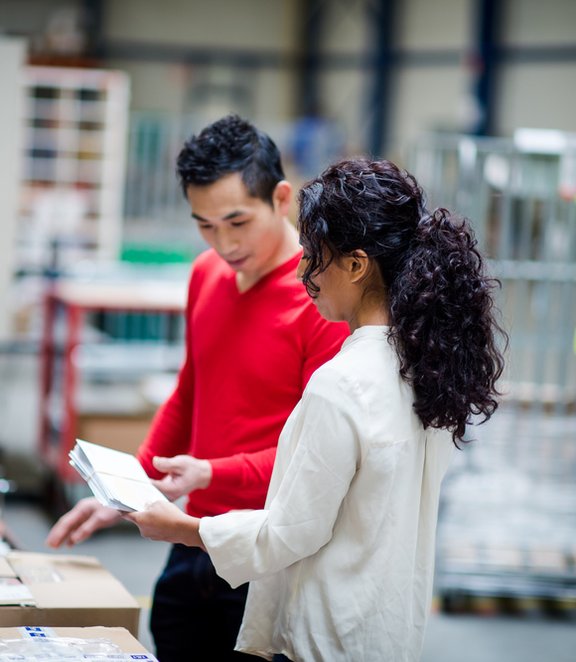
244 470
298 521
321 341
170 430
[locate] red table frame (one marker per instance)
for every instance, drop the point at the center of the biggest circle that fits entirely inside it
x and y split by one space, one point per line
76 299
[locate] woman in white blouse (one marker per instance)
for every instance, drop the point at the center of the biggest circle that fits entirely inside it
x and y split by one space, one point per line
341 558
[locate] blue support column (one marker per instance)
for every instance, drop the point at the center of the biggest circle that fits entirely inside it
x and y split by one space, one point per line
486 63
93 16
381 15
308 104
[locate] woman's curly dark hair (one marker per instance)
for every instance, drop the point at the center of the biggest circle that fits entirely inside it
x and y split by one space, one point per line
442 315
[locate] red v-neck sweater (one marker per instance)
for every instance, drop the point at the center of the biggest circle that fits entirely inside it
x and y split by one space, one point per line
248 357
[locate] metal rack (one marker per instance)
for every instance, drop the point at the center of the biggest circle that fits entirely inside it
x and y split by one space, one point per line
508 518
507 522
75 123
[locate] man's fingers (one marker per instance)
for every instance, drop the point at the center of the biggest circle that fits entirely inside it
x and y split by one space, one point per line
80 523
130 517
60 532
55 539
84 531
163 464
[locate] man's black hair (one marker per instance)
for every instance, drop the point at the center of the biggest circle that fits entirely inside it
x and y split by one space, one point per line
230 145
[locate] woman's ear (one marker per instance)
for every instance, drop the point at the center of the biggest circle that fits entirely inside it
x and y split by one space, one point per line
358 265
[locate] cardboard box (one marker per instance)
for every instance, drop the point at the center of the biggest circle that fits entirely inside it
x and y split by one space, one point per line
66 591
113 638
121 432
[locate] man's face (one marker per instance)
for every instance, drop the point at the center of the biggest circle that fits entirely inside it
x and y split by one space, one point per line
246 232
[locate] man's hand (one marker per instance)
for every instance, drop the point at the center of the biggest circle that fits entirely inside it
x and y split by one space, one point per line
184 474
165 521
78 524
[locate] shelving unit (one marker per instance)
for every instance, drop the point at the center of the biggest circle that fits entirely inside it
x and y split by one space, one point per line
75 125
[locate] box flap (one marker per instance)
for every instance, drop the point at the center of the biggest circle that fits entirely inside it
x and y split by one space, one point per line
36 558
69 581
105 593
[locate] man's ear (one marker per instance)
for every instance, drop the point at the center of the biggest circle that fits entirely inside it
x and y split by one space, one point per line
358 265
282 196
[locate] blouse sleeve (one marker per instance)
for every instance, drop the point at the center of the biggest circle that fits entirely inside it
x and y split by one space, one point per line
308 491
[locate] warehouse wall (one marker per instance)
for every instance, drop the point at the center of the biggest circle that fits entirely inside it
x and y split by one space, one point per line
538 82
219 31
205 57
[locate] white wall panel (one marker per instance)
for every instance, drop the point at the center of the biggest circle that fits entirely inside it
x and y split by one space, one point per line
534 22
251 24
428 98
538 96
425 24
346 27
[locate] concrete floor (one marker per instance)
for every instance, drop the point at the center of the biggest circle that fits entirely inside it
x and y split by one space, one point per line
136 563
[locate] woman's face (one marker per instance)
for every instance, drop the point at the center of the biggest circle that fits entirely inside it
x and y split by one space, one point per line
336 299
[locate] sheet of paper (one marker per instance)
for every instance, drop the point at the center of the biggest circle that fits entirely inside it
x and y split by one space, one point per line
130 494
107 460
116 479
14 592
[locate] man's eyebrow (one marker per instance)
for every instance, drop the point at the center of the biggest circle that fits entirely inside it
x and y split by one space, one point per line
229 217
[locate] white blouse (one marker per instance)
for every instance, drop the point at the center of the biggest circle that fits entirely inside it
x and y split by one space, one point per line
341 558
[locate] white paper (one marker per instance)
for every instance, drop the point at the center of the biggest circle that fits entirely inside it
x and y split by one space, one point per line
116 479
14 592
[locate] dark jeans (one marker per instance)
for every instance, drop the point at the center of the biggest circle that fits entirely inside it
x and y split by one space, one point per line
195 614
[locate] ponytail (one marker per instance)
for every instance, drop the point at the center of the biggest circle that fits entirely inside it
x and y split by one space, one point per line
443 325
442 317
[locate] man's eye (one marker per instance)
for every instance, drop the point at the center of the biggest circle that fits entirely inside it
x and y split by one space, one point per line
237 224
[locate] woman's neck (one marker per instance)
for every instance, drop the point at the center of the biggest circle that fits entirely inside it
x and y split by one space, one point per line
369 315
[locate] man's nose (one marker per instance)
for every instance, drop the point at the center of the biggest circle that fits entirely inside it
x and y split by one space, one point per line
226 244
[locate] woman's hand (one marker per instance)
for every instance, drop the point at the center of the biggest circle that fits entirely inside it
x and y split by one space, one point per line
165 521
184 474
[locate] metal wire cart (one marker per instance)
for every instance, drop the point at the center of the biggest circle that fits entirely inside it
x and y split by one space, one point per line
507 523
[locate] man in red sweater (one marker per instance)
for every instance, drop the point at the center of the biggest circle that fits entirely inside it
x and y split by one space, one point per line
253 339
